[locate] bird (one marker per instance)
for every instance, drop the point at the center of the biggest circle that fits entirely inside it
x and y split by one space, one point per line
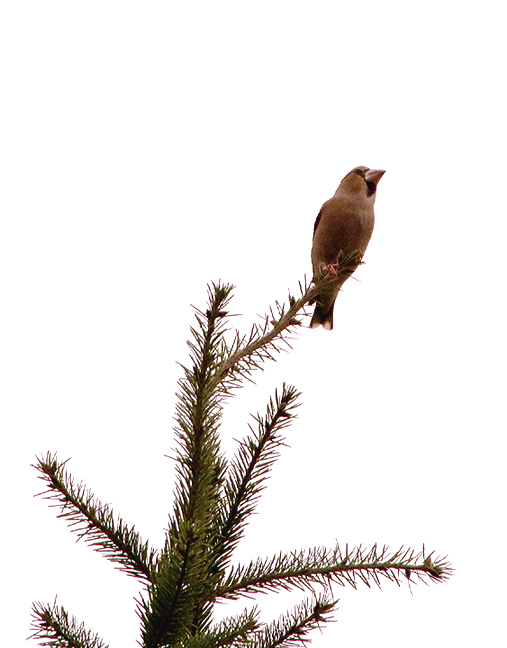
342 231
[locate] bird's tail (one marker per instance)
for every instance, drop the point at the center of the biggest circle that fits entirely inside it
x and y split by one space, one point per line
322 318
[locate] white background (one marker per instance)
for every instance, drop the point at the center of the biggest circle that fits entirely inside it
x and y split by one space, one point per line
149 148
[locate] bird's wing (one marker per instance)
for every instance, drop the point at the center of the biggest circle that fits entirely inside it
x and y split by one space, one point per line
317 221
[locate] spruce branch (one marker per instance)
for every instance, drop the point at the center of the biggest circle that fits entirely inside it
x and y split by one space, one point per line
198 412
53 627
232 631
321 566
213 500
248 471
291 629
94 521
179 600
168 612
247 353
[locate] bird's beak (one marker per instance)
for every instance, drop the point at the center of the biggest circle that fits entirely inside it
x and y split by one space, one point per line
373 175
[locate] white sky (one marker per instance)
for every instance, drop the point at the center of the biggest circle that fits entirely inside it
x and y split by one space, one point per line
149 148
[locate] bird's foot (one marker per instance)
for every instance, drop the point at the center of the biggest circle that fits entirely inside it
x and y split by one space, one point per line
332 269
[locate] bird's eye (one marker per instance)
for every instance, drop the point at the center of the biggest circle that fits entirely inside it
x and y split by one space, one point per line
360 172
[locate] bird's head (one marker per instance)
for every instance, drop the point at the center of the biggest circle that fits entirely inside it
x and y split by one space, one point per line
362 181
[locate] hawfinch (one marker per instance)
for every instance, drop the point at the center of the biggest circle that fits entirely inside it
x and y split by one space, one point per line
343 228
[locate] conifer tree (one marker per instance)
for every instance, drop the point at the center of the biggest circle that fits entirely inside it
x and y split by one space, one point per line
213 499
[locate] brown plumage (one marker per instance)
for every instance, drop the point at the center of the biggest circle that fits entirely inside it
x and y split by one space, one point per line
344 226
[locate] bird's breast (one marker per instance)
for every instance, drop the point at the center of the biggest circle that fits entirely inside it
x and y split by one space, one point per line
343 227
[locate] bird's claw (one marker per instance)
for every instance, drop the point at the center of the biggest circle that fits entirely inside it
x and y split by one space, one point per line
332 269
